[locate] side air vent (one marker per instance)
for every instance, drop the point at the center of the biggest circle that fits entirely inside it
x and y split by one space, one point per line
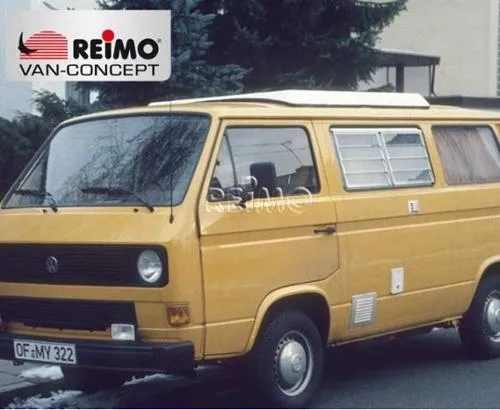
363 309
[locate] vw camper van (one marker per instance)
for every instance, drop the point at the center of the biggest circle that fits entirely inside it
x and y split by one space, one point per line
259 228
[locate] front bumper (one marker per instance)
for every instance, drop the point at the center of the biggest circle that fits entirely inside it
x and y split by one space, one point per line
164 357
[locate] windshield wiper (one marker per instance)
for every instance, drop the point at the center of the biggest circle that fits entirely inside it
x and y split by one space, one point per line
117 191
39 194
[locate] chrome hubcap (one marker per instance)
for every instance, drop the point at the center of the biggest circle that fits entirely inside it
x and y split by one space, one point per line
293 363
492 316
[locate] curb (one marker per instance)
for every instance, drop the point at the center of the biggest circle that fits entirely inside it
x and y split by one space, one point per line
25 389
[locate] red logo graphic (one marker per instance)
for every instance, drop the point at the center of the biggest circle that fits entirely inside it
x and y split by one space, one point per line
108 35
44 45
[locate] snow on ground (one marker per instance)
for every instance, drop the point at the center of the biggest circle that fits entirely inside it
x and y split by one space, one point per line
147 379
42 373
38 402
136 391
69 399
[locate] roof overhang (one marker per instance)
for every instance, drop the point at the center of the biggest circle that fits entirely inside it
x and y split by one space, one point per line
391 58
491 103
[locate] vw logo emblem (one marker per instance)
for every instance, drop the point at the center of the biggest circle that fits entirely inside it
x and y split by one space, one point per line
52 264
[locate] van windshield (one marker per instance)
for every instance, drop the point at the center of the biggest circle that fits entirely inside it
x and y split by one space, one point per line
127 160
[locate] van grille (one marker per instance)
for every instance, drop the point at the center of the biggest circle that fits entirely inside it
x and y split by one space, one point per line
99 265
66 314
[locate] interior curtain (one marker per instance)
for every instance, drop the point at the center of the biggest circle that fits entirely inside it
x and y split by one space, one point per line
468 154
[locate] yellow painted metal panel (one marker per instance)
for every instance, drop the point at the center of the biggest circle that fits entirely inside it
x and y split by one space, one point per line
230 265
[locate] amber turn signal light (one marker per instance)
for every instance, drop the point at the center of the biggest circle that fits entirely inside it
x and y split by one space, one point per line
178 315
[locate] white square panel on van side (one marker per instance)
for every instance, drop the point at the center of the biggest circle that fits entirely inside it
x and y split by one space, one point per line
397 280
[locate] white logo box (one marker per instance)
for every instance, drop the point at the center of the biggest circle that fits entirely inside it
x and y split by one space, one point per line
88 45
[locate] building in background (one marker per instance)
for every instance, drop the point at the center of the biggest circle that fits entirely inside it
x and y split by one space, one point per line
72 92
442 47
65 90
465 34
15 96
395 66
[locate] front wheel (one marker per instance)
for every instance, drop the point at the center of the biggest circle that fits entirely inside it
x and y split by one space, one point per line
480 326
288 360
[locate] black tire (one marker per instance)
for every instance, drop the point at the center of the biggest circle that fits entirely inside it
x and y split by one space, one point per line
282 331
480 336
92 380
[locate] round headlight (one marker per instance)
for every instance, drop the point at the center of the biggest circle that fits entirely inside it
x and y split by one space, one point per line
149 266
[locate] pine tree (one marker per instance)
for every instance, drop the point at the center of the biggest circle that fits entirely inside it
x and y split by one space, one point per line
15 151
192 76
21 137
323 44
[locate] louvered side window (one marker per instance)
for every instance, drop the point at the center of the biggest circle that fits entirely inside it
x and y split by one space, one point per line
373 158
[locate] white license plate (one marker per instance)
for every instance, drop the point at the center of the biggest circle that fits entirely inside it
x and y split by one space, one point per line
61 353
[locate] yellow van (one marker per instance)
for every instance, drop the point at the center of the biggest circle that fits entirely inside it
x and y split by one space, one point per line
262 227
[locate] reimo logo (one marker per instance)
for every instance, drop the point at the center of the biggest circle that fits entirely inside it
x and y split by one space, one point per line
105 47
44 45
89 45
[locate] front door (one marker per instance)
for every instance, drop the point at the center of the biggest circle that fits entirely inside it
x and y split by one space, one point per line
265 223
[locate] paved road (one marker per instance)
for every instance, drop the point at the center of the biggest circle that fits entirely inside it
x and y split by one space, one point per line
429 371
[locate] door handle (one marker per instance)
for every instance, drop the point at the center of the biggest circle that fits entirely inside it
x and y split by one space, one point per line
329 230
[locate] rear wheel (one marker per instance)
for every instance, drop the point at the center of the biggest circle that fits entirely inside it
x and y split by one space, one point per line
480 326
287 361
92 380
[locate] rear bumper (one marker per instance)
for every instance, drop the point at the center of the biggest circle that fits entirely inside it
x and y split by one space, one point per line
164 357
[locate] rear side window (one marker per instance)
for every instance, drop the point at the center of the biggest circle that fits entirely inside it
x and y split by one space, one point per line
469 154
264 162
374 158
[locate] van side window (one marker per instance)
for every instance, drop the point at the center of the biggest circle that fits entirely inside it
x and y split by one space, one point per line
469 154
224 177
372 158
266 162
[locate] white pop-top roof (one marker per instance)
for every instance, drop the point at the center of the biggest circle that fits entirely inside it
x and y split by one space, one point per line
318 98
